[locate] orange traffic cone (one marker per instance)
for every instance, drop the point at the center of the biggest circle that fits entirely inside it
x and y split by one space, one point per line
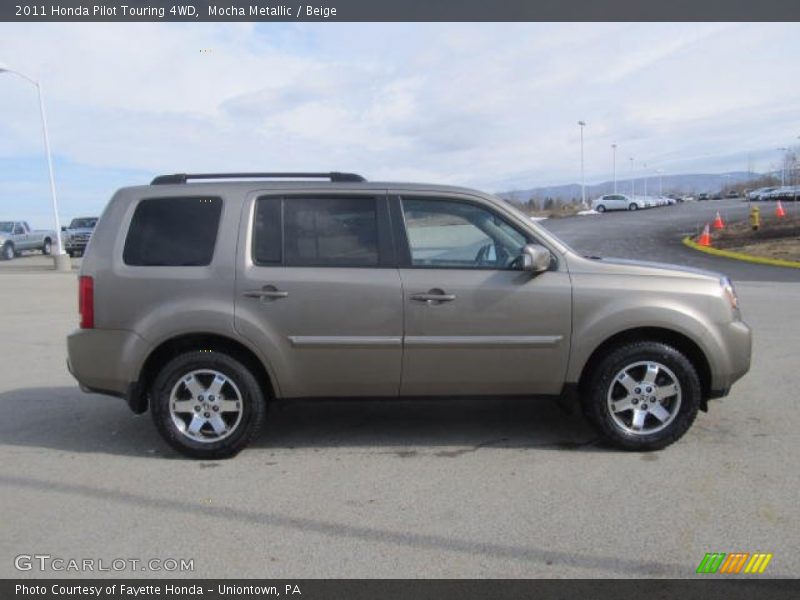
718 224
779 210
705 237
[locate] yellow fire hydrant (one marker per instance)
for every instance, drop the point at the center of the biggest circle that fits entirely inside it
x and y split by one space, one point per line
755 217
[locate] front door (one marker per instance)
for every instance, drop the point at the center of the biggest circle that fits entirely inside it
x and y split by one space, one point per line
475 324
318 292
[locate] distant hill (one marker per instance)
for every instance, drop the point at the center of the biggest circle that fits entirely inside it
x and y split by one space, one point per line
672 184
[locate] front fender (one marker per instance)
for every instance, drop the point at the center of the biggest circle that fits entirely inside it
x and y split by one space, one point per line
600 314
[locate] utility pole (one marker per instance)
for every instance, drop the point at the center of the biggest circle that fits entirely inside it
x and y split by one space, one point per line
783 165
582 124
633 182
614 164
644 165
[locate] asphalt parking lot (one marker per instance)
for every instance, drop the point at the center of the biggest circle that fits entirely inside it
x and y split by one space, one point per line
496 488
656 233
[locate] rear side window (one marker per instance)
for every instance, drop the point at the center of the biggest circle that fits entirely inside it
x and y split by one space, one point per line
306 232
173 232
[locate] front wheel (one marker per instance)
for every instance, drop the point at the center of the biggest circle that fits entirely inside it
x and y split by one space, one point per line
207 405
642 396
633 206
8 251
601 209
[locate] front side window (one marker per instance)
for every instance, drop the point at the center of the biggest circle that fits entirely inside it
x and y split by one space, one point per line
447 233
173 232
305 232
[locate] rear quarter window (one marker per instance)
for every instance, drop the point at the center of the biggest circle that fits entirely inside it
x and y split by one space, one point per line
173 232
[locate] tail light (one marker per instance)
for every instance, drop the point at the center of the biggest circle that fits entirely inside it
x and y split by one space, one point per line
86 301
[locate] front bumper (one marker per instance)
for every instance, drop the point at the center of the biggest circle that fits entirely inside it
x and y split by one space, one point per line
736 342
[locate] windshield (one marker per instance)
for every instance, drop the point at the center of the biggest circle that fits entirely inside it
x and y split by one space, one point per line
83 223
6 226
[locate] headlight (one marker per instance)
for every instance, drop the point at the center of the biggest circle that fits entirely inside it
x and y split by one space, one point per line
730 292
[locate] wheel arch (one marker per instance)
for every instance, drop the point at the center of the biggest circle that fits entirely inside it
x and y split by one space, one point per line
138 396
681 342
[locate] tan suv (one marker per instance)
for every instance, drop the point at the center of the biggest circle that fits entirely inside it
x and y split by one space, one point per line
203 301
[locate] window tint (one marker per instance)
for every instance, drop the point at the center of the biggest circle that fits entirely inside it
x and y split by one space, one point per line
179 232
336 232
445 233
267 239
330 231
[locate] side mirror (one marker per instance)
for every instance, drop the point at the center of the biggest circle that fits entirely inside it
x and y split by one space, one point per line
63 228
535 258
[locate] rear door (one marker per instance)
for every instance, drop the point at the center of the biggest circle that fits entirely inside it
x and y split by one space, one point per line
319 293
475 323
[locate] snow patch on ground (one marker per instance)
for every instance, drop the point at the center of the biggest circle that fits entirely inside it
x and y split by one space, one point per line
591 211
538 218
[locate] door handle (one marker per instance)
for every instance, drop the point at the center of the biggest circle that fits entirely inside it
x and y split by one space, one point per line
268 292
434 296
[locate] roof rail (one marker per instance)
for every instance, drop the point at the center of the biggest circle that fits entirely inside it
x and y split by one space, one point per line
334 176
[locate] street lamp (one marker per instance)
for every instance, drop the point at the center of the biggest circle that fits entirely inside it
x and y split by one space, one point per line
614 164
633 181
660 182
582 124
644 168
62 262
783 165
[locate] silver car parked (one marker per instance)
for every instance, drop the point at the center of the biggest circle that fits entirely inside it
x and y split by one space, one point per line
618 202
203 301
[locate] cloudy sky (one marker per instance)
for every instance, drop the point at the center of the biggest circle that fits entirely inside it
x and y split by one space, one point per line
493 106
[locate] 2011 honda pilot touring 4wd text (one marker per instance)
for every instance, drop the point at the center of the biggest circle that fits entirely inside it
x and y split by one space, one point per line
202 301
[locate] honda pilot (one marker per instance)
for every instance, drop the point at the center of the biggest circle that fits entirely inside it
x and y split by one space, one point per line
204 297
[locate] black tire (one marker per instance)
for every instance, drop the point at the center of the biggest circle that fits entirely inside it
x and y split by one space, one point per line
8 251
47 247
633 206
253 404
600 208
595 394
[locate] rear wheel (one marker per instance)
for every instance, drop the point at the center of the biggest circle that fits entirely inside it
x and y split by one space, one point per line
207 405
47 247
633 206
642 396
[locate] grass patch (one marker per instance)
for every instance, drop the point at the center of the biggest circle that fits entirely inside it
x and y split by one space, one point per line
777 238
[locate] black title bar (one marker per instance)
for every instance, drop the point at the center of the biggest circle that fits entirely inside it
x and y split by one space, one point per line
732 588
399 10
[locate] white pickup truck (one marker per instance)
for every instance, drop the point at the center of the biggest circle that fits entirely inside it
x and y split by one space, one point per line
17 236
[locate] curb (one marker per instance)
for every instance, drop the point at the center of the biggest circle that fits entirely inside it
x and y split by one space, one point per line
775 262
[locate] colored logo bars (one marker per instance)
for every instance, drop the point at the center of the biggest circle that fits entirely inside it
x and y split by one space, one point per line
734 563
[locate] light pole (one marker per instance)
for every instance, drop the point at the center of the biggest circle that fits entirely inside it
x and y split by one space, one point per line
614 164
660 182
582 124
633 181
644 168
62 262
783 165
